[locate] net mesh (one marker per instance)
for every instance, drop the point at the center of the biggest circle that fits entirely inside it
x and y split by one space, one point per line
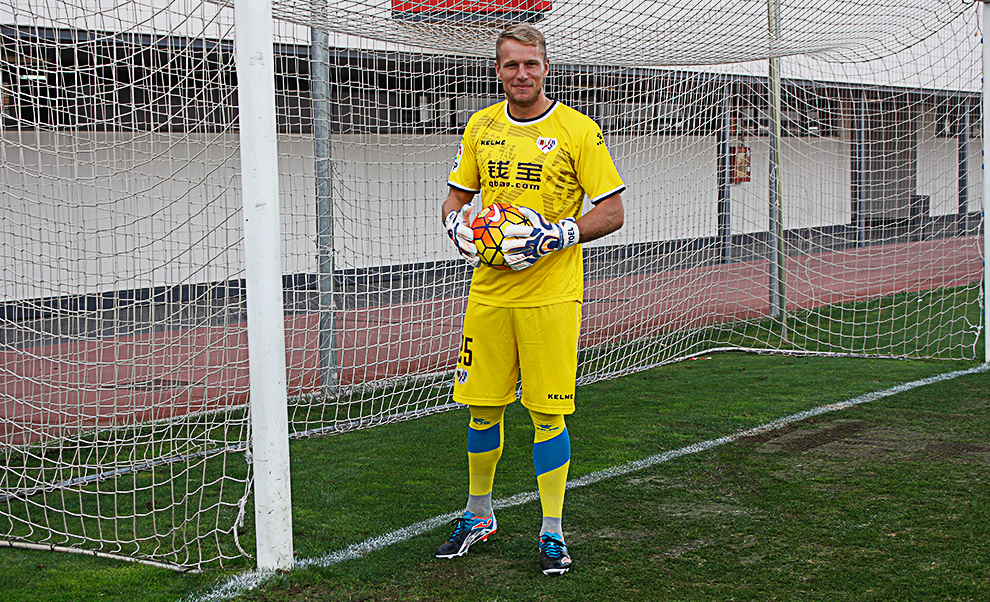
124 382
645 33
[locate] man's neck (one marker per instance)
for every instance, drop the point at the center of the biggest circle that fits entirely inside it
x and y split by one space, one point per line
530 111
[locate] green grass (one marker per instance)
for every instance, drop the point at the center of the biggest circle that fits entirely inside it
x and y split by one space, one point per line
941 323
886 507
878 502
143 508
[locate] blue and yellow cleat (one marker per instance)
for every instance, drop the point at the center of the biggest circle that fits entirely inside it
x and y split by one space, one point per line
553 555
468 529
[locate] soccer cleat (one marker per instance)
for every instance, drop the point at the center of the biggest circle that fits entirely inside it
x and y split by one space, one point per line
468 529
553 555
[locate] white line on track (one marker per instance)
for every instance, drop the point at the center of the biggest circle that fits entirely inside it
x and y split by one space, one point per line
247 581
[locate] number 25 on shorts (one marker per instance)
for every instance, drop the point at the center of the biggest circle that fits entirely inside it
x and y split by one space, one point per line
466 355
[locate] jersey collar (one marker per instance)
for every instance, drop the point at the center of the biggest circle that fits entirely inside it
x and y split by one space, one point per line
532 120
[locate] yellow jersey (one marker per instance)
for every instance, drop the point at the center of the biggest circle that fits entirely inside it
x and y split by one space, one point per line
548 163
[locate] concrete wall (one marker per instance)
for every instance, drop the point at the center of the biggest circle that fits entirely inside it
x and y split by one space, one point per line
89 212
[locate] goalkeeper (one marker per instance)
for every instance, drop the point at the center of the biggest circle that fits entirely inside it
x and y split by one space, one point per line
544 157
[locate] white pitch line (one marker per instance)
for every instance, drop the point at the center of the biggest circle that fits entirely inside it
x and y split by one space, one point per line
247 581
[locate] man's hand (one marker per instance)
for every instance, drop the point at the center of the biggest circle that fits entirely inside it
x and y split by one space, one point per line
523 245
463 236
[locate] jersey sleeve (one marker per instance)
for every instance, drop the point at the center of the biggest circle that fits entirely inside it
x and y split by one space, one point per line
464 174
596 171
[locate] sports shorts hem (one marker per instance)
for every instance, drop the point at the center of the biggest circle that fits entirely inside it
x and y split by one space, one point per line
481 402
549 409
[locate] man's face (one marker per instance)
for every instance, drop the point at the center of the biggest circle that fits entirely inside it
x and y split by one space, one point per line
522 70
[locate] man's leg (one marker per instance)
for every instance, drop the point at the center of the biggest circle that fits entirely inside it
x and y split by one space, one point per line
485 381
485 439
548 358
551 459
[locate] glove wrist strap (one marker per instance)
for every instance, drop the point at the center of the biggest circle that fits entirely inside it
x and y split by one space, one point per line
571 233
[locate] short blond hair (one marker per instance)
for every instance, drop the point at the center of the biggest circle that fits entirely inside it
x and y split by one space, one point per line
524 33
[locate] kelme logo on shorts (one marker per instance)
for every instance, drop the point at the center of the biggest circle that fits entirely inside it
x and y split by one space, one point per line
559 396
461 375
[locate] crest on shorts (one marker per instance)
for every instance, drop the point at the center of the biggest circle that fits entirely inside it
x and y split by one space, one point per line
461 375
546 144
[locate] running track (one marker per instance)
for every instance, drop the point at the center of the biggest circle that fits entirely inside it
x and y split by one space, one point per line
63 389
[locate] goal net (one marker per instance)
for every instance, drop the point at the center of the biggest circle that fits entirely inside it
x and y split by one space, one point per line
803 177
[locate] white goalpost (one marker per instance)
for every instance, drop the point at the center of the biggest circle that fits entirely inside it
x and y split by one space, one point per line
263 277
220 225
986 183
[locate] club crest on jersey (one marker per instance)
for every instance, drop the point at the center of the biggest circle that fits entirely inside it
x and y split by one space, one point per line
457 159
546 144
461 375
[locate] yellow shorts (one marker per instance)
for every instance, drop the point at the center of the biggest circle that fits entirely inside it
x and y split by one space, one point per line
500 342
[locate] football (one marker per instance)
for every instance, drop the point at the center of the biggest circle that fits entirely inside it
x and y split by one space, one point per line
488 232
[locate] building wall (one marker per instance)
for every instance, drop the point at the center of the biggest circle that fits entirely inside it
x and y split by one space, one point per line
815 185
90 212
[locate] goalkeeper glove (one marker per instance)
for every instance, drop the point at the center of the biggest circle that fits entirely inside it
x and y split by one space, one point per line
523 245
463 236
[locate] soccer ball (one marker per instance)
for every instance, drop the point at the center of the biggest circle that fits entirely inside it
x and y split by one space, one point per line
488 232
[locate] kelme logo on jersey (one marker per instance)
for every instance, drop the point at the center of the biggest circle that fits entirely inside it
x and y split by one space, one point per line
457 159
461 375
546 144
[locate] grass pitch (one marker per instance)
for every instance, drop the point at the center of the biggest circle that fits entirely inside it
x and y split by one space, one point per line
881 501
877 502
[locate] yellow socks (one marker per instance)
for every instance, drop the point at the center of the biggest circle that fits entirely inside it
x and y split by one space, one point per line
551 459
485 438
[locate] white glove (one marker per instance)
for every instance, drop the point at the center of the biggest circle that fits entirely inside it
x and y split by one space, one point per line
463 236
523 245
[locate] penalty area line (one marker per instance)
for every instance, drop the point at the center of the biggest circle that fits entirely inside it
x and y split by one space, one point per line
249 580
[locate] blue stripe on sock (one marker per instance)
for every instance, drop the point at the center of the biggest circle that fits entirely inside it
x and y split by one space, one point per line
552 454
487 440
